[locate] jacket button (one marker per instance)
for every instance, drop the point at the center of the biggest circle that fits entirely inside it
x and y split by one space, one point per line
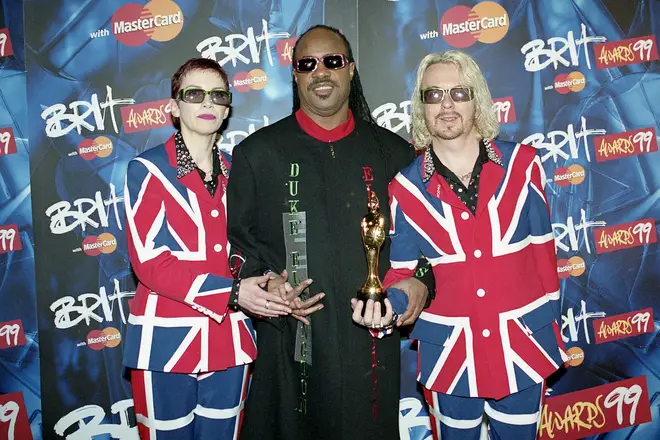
477 253
486 333
481 293
465 215
217 247
215 213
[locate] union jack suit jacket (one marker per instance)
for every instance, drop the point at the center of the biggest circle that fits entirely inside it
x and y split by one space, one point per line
177 243
492 328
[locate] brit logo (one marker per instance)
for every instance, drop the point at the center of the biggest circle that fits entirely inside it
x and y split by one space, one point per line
622 326
146 116
5 43
14 423
10 239
285 50
506 112
624 236
11 334
588 412
7 141
625 144
624 52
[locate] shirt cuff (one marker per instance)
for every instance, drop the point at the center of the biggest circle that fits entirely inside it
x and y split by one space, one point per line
233 297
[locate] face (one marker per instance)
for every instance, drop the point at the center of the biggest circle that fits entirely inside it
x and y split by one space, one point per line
324 91
447 119
204 118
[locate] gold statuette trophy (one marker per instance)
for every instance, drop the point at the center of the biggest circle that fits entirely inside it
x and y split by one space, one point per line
373 237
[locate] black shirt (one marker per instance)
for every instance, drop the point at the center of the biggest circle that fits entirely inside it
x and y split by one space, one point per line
185 164
468 195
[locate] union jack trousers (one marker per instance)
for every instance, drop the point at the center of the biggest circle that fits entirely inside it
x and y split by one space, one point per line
515 416
201 406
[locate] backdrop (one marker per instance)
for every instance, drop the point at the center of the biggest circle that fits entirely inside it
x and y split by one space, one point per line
575 78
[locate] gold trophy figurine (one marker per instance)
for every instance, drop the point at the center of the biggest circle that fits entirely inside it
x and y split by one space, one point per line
373 237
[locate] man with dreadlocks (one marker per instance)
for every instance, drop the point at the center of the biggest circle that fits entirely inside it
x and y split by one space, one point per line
297 194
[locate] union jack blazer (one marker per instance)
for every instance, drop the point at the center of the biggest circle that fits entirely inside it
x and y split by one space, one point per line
178 247
492 328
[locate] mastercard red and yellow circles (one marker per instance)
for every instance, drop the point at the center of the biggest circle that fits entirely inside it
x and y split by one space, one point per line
570 82
575 356
255 79
134 24
99 339
90 149
572 267
573 174
487 22
105 243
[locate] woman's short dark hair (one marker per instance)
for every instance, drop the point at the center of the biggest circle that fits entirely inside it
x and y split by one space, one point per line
190 66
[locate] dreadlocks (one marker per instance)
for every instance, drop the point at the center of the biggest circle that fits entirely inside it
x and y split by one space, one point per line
356 100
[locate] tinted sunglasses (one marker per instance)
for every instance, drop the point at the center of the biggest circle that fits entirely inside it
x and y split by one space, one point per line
195 95
457 94
333 61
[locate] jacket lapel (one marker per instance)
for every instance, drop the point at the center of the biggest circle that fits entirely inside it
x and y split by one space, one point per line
194 183
489 181
439 188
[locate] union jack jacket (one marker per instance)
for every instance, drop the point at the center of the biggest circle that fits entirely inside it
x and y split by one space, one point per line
491 330
178 248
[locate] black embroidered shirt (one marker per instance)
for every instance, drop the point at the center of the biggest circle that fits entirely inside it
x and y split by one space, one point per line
186 165
468 194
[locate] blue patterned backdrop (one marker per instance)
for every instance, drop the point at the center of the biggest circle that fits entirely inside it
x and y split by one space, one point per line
19 359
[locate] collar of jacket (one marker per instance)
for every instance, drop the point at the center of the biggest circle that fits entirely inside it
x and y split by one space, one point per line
429 167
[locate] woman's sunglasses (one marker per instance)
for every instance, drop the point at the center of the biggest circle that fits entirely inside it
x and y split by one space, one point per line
195 95
457 94
309 64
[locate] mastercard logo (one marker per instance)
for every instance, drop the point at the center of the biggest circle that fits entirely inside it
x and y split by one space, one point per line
487 22
571 82
105 243
575 356
573 267
99 339
574 174
134 24
255 79
90 149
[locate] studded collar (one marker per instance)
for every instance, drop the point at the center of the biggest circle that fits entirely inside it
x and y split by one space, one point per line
429 167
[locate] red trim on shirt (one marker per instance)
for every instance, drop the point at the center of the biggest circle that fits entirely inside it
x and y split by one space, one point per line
317 132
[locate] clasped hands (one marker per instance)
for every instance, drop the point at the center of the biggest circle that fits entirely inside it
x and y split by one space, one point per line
271 295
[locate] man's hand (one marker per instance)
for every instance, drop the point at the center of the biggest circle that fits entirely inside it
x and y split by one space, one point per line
417 294
372 317
299 309
255 300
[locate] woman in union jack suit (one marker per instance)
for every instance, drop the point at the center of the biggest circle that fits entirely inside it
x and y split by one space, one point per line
188 342
476 209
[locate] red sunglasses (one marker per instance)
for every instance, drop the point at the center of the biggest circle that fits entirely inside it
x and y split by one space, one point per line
308 64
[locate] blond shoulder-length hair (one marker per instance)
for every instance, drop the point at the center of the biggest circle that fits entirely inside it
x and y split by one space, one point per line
470 75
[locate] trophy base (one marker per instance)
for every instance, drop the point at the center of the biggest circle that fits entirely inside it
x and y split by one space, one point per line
375 297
